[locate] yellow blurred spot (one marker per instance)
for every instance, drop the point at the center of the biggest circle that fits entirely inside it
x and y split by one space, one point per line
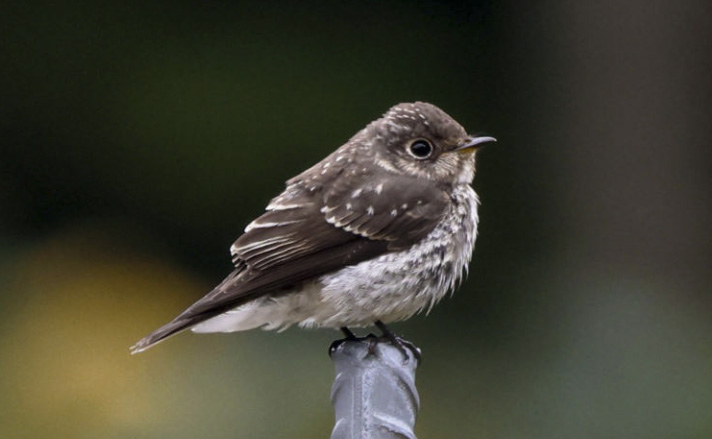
77 303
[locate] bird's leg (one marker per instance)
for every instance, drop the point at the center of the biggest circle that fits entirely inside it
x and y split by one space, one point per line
400 343
347 332
350 336
386 332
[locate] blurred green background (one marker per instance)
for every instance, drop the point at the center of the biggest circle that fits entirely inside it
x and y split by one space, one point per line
137 140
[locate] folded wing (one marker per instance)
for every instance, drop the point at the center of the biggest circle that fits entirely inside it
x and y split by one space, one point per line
308 231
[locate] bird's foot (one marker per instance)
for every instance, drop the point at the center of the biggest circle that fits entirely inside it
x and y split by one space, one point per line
350 336
399 342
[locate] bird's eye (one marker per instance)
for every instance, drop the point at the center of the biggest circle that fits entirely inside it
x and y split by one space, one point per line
420 149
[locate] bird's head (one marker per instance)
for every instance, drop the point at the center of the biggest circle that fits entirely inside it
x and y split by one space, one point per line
421 140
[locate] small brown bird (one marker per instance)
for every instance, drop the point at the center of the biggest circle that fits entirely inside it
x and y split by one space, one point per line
379 230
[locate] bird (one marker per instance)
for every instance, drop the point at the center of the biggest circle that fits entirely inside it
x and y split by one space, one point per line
378 231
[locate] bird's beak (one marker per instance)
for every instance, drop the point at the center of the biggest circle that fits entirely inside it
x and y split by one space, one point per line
473 143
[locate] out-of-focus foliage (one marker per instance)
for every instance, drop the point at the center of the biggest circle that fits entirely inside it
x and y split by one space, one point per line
137 139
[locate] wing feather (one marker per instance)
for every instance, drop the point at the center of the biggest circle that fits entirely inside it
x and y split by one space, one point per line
311 230
324 230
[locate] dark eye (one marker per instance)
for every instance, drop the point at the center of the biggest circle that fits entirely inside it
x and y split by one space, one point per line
421 149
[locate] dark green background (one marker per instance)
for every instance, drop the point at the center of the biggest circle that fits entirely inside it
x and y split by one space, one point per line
139 138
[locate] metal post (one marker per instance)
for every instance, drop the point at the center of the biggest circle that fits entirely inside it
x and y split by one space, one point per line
374 394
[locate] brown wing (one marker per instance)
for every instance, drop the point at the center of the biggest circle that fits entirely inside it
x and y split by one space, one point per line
306 233
311 230
398 209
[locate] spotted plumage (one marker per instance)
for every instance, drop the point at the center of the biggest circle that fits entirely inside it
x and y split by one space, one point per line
379 230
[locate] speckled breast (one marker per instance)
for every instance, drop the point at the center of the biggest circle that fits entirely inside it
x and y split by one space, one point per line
397 285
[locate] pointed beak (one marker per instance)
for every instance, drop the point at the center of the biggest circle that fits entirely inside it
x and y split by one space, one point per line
473 143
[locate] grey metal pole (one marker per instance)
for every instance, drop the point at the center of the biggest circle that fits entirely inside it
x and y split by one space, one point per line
374 394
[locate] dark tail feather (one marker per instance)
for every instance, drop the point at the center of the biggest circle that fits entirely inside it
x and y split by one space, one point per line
161 334
209 306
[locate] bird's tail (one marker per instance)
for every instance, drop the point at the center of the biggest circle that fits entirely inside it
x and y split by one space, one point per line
207 307
161 334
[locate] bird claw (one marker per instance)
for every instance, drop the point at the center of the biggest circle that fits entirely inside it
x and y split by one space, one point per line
402 344
399 343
